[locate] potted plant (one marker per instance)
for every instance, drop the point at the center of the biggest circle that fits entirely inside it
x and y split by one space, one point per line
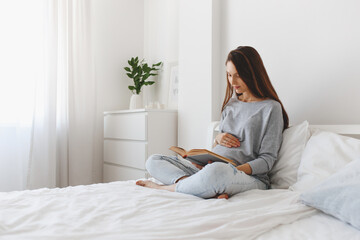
139 72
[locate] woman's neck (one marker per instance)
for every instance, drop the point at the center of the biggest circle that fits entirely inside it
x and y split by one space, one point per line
247 97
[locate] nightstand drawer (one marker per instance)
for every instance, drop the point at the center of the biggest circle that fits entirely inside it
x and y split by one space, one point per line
125 126
130 136
126 153
119 173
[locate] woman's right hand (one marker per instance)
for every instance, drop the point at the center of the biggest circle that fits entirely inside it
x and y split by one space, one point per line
227 140
199 166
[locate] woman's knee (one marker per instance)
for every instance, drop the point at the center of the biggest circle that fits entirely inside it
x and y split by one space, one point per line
215 173
152 162
216 169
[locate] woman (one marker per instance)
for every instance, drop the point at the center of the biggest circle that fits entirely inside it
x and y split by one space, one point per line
251 129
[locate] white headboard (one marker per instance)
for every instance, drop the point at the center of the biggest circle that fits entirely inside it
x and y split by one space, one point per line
351 130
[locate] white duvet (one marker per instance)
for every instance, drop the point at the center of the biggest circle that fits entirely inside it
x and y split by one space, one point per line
123 210
315 227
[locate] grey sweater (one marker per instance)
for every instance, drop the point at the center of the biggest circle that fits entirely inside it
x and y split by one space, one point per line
259 127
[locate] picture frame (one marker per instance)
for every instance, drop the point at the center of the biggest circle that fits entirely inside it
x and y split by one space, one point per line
173 92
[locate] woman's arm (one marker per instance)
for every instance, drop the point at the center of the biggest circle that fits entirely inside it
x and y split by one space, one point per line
270 143
245 168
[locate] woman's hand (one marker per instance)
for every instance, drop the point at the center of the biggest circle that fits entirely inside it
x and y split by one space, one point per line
245 168
227 140
199 166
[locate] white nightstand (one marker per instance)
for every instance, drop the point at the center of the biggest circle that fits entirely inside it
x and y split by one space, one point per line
131 136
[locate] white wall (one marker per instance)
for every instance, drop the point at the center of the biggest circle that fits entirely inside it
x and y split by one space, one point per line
311 51
309 48
117 35
153 34
161 43
195 72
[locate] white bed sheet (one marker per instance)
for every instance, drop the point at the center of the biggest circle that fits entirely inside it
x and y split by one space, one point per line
316 227
122 210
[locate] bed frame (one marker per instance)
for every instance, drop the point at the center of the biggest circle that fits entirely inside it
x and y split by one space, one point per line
351 130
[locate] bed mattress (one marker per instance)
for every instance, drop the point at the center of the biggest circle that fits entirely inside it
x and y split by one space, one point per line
123 210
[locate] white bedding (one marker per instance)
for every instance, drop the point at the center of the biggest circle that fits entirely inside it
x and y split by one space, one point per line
122 210
317 226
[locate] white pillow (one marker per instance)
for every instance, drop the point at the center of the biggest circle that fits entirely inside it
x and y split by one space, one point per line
324 154
338 195
284 172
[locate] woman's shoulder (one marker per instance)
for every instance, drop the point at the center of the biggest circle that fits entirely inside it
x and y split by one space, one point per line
268 102
275 110
273 103
272 107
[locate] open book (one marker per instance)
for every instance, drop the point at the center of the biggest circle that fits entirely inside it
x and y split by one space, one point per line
201 156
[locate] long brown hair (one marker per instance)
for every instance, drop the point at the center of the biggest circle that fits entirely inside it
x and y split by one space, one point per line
251 70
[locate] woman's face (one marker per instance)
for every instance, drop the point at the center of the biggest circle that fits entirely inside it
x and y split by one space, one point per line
234 79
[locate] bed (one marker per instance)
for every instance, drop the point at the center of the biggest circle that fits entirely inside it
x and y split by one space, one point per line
123 210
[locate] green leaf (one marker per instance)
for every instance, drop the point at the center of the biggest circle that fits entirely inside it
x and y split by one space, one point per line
144 78
146 68
127 69
137 78
129 75
140 72
131 88
149 83
157 64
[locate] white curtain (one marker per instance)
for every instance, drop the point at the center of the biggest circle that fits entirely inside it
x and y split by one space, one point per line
63 138
61 145
20 46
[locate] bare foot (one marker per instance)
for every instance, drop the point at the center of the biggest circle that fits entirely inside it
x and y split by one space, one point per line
147 183
151 184
224 195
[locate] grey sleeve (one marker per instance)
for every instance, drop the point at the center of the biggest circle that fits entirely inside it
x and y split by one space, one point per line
223 114
270 144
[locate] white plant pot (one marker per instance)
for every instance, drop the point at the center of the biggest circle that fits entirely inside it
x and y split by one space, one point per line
136 101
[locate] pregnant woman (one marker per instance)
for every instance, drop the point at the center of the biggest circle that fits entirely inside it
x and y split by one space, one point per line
252 121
